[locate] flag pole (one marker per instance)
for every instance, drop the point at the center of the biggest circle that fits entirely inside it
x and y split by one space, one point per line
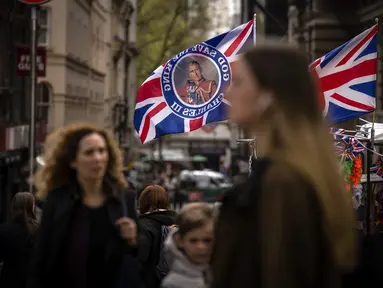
255 28
370 209
251 141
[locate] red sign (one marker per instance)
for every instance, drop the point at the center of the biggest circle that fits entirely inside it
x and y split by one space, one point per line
34 2
23 61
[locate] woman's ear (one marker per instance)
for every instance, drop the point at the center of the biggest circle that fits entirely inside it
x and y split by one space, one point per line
265 100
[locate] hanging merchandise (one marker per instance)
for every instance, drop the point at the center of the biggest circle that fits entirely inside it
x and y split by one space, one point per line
357 196
348 148
336 132
352 172
377 167
379 200
347 172
356 174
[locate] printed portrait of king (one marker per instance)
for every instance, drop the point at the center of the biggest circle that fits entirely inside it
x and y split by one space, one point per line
197 90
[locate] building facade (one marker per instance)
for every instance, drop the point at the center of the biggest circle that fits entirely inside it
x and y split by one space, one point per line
15 31
89 62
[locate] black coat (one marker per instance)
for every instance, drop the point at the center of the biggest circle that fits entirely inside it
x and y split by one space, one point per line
269 234
59 207
150 240
16 244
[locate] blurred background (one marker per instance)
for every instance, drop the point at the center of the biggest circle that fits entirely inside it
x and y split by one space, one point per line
93 54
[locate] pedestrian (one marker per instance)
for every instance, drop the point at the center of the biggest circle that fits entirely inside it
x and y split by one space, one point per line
88 229
292 223
154 216
189 247
185 186
174 190
17 238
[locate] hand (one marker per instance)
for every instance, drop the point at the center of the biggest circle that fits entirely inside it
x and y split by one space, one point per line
128 229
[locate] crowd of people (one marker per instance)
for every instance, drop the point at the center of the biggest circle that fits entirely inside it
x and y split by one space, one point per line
290 224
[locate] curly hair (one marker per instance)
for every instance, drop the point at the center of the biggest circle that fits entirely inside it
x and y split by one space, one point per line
60 150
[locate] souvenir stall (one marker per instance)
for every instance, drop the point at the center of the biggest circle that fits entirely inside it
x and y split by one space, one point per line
357 153
374 179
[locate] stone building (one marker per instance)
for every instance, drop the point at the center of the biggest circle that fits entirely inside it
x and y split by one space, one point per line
14 31
90 62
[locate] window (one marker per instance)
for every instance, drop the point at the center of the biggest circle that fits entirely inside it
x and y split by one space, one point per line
43 103
43 22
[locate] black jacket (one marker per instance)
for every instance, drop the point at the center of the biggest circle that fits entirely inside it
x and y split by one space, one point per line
269 233
150 240
59 207
16 244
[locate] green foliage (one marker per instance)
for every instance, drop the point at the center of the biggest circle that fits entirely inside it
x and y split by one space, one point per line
165 28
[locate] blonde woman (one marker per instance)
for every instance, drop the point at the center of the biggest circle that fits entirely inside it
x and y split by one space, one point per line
292 223
88 229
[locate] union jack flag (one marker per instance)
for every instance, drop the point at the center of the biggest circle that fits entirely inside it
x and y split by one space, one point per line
347 77
348 148
336 132
377 167
161 109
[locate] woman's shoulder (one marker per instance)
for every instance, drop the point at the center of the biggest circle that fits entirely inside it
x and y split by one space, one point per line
145 222
60 191
56 195
282 172
129 193
283 181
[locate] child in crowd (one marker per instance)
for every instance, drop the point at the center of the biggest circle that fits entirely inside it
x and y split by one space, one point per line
189 246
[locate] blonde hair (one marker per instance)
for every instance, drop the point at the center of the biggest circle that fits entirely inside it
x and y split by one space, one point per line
313 158
194 216
60 150
296 134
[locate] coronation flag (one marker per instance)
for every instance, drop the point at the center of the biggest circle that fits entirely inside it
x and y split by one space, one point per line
187 91
347 77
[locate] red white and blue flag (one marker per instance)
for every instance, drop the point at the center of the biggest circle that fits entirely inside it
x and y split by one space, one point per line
348 147
187 92
347 77
336 132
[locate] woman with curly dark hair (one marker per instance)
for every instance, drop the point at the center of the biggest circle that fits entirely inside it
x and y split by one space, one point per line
88 228
16 241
